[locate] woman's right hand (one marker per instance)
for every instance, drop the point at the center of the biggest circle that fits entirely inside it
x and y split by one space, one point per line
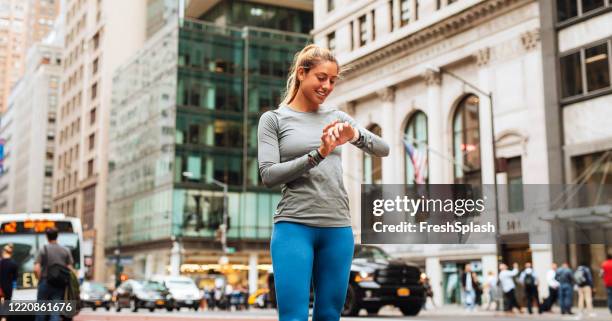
328 143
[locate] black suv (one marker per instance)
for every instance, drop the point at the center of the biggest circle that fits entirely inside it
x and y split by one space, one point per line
377 280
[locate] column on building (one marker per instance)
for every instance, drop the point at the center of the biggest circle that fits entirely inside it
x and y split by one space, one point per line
175 259
483 57
389 134
149 266
434 127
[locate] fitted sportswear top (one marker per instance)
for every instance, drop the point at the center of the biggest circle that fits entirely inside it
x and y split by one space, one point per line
311 194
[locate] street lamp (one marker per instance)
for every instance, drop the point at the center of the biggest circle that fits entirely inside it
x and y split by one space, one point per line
489 94
223 226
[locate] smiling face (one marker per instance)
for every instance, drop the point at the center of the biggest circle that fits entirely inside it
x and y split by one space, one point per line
318 82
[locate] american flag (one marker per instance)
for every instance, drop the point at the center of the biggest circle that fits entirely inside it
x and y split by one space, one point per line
418 157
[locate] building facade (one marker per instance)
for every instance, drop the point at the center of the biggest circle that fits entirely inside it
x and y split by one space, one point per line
31 144
99 35
184 122
22 24
419 72
577 76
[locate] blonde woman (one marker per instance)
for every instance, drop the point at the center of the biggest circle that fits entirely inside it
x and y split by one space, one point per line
299 148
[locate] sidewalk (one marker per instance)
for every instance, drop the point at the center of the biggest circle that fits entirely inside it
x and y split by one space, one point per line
455 310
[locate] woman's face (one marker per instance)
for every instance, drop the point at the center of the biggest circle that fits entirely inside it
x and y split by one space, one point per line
319 82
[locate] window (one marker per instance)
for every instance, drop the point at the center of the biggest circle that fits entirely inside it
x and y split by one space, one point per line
96 40
568 9
331 41
373 25
593 62
571 75
92 141
466 142
94 91
391 15
90 167
352 28
92 116
515 184
415 141
597 67
363 31
405 12
372 165
95 66
331 5
593 171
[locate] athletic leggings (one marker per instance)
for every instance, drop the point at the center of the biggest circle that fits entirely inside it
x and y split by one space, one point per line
300 251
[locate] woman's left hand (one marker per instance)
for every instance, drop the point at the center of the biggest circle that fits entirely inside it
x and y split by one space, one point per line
342 133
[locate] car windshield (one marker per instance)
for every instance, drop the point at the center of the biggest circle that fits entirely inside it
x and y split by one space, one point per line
371 252
153 286
179 284
93 287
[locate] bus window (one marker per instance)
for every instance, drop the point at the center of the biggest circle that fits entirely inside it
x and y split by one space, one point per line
25 250
70 241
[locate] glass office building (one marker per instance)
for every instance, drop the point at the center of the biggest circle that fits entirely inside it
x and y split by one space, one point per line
185 113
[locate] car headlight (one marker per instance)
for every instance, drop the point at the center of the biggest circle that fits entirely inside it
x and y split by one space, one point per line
84 296
169 297
364 277
107 297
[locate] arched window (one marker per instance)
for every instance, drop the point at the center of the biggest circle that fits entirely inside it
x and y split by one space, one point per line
415 145
466 142
372 165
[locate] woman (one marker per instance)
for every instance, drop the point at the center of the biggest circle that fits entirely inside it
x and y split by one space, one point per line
299 148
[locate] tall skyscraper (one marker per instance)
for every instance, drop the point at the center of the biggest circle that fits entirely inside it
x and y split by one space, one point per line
99 35
22 24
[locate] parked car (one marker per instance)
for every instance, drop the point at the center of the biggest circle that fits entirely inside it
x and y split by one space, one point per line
134 294
95 295
377 280
184 291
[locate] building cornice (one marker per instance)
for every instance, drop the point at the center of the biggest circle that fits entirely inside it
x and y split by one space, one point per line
443 29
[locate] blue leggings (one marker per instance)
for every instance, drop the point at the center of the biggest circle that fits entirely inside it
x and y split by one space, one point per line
301 251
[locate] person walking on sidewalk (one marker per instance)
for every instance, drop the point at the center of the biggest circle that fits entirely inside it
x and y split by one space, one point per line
300 148
584 282
530 282
606 274
565 276
52 267
469 286
492 291
506 279
8 273
553 288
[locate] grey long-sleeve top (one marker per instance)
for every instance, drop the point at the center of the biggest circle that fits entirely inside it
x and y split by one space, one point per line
311 195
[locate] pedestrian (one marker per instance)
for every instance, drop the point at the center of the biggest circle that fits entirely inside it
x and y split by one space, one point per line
468 287
492 290
584 282
530 282
52 267
477 288
553 288
565 277
606 274
506 279
8 276
8 273
428 293
299 148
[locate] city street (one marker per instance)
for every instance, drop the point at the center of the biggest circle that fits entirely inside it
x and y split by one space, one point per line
387 314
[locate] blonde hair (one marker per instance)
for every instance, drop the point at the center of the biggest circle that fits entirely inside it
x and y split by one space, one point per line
307 58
